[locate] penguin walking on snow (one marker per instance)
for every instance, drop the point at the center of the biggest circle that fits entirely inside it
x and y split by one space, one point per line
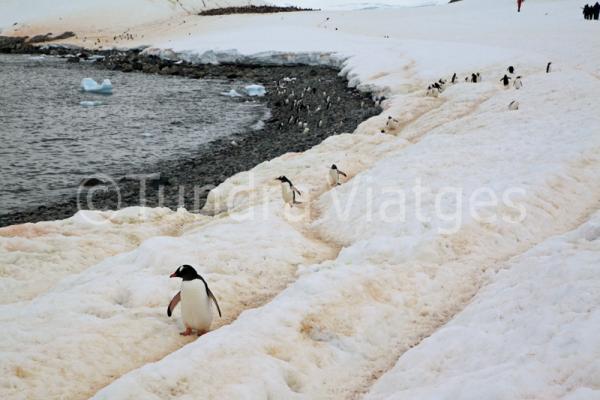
505 80
454 78
196 298
392 123
288 191
549 67
334 176
517 84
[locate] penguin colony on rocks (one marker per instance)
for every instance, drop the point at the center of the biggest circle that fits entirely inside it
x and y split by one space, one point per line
309 107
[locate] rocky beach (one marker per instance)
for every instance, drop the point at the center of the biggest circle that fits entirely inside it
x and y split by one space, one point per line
307 104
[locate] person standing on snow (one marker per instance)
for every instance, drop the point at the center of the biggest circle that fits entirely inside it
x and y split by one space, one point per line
519 2
587 12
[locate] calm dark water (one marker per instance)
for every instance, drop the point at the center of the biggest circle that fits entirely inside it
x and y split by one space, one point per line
49 142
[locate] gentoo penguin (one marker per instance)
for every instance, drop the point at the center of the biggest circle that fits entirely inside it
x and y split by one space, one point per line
517 84
549 67
195 297
334 176
288 191
514 105
505 80
511 70
392 123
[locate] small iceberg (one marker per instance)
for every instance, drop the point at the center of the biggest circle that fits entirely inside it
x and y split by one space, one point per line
232 93
90 85
255 90
90 103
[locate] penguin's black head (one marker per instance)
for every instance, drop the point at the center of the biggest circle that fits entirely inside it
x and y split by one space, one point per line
282 179
389 117
333 166
185 272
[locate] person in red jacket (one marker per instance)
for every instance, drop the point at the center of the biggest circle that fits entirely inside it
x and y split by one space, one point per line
519 2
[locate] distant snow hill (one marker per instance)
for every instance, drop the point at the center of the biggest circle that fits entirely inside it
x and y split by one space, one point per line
125 13
118 12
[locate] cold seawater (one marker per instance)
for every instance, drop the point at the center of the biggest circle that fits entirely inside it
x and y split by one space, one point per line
50 142
236 135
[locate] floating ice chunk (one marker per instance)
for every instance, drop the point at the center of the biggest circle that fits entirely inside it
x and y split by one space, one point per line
90 85
232 93
90 103
255 90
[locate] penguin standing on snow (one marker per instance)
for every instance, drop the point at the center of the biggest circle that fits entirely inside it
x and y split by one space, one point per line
549 67
288 191
517 84
195 297
511 70
334 176
392 123
505 80
513 106
454 78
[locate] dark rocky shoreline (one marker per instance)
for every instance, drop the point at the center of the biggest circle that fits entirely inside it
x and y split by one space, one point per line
316 100
252 10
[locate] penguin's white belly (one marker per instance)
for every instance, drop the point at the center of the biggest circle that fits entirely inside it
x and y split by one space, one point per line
196 311
333 178
287 193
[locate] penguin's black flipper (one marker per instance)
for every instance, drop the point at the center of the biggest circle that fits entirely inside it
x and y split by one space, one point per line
212 296
174 301
342 173
296 190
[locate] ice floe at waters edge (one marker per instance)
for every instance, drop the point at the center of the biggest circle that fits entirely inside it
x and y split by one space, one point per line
232 93
255 90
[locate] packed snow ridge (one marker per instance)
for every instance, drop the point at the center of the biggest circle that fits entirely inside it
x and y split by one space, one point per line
459 258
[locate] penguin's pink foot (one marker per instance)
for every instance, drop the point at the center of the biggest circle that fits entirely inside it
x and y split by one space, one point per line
200 333
187 332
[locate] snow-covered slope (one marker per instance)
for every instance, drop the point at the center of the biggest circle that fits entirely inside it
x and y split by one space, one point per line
94 14
529 334
333 298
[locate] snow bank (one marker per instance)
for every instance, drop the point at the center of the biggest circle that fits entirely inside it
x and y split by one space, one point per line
322 299
111 318
34 257
396 281
530 333
92 14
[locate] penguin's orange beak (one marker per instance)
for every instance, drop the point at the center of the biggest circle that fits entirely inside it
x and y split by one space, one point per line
173 275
